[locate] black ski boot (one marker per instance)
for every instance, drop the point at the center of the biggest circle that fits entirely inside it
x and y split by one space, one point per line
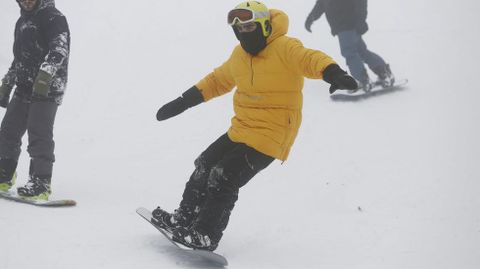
194 238
7 173
364 84
385 76
37 188
171 221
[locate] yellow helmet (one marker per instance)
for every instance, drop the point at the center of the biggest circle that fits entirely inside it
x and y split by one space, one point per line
251 11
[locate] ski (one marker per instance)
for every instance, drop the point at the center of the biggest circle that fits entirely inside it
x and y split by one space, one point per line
13 196
376 90
205 254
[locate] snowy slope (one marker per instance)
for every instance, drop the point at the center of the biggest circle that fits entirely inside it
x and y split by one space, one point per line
388 182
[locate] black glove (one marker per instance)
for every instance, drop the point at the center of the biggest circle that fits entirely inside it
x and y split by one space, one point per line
190 98
338 79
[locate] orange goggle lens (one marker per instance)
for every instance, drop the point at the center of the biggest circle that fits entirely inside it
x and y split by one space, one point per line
240 15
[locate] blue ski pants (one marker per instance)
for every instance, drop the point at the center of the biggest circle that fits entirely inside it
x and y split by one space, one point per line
356 53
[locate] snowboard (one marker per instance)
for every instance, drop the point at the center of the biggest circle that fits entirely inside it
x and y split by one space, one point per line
205 254
13 196
377 89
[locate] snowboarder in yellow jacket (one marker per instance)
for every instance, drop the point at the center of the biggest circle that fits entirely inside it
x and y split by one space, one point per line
268 70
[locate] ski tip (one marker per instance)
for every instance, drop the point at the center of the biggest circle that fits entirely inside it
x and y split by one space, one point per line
145 213
69 203
62 203
141 209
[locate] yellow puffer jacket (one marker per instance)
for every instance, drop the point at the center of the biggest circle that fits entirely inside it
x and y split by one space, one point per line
268 100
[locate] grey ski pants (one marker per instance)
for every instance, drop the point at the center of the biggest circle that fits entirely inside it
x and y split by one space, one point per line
37 118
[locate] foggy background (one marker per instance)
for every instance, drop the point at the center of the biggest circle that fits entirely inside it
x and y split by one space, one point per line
387 182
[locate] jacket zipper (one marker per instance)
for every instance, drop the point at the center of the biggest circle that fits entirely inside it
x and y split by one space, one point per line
251 67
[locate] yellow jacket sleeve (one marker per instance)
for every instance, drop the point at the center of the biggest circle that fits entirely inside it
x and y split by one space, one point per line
217 83
307 62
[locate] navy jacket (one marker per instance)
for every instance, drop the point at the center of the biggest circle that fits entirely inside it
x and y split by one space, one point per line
42 41
342 15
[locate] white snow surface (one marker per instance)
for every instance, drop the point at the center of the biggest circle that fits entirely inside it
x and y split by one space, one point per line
388 182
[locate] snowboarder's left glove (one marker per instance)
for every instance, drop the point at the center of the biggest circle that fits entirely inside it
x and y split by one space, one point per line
4 95
190 98
338 79
41 86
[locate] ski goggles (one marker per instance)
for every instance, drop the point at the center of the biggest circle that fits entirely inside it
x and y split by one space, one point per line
245 15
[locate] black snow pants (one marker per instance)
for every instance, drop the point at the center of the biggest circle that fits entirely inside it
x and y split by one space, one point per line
220 171
36 117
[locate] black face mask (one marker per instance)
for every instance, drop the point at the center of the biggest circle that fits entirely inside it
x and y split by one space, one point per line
252 42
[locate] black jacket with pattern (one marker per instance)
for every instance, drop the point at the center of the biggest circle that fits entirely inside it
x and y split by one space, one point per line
342 15
42 41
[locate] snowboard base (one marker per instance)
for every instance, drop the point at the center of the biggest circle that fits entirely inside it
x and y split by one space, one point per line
13 196
377 90
205 254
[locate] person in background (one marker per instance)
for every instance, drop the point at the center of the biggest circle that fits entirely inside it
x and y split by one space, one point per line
39 75
347 19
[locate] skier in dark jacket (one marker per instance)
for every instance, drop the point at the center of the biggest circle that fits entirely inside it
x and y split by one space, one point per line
347 19
39 75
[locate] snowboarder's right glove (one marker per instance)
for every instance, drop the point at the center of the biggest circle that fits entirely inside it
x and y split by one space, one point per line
4 95
190 98
338 79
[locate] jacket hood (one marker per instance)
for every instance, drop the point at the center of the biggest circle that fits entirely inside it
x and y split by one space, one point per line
41 4
279 21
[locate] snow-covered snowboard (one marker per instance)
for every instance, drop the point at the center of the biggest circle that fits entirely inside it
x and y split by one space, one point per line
205 254
377 89
13 196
